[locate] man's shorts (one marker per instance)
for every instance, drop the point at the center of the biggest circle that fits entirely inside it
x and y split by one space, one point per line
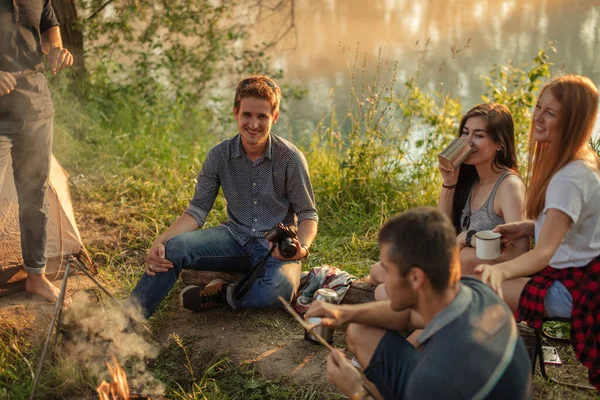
391 365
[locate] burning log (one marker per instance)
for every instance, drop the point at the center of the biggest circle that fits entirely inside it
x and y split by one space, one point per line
118 389
359 292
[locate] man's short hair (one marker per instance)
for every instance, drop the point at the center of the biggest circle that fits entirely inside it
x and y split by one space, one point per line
425 238
259 86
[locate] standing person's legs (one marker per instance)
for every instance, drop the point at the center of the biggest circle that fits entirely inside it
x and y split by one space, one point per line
5 145
31 154
281 278
388 357
208 249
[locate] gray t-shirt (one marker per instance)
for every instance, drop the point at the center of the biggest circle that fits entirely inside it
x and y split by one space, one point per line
22 23
471 350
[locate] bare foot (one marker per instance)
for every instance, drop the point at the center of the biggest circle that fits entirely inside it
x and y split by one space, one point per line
39 284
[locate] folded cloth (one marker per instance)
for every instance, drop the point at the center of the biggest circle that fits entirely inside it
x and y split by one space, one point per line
584 285
321 277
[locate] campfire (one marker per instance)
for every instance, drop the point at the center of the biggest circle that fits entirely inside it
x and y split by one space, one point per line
118 389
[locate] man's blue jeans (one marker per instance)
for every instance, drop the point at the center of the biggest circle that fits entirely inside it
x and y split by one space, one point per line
215 249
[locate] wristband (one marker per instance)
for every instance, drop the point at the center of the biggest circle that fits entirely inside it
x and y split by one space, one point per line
305 247
470 237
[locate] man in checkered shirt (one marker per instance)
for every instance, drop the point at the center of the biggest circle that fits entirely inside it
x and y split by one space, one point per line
265 181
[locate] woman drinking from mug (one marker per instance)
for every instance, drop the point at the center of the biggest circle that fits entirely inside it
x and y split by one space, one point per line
486 190
563 207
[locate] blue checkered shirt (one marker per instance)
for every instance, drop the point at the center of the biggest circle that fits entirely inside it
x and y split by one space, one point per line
260 194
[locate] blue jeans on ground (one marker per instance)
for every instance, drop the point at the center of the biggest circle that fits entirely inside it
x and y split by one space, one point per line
29 144
215 249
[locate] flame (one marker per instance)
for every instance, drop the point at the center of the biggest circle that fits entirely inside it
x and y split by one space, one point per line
118 389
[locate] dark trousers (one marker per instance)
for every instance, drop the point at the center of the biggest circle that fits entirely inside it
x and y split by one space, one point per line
29 144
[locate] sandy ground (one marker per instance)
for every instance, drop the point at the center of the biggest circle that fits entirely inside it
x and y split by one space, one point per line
269 340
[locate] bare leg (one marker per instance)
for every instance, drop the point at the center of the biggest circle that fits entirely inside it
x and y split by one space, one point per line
377 274
39 284
362 341
511 290
380 293
469 260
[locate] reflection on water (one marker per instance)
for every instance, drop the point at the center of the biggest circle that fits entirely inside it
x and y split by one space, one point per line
466 37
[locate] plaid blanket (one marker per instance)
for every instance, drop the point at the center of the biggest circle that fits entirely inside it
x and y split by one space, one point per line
321 277
583 283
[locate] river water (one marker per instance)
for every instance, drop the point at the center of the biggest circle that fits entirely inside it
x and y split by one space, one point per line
456 41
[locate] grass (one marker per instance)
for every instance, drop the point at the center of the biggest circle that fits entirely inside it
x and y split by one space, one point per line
133 163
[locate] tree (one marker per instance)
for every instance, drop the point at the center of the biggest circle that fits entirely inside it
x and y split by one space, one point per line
71 30
163 25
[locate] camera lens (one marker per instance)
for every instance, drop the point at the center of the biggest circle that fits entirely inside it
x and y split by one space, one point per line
287 248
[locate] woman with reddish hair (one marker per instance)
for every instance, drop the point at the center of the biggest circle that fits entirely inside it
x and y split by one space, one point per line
560 277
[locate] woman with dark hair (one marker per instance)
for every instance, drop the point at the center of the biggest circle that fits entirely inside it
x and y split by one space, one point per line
486 190
560 277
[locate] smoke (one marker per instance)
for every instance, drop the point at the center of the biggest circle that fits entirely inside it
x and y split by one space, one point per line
94 334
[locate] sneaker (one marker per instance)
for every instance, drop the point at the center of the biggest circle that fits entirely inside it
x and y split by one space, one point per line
195 299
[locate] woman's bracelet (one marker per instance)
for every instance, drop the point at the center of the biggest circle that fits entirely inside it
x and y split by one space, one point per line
469 237
449 187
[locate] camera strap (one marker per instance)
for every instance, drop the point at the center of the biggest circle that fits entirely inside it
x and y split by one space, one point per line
242 287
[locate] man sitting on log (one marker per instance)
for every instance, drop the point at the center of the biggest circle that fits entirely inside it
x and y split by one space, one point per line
265 182
470 347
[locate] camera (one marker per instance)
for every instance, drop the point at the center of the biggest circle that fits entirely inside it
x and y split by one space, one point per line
282 235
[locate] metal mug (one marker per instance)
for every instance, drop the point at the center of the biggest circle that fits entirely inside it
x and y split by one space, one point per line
487 246
326 295
326 332
455 154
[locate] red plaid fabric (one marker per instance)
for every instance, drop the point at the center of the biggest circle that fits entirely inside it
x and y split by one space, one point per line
583 284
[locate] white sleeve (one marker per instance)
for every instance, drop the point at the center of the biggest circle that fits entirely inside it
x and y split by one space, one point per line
564 194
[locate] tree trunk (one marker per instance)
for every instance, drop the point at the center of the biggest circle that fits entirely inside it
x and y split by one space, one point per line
71 30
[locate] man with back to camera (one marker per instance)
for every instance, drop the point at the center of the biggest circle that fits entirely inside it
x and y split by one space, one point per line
28 29
470 347
265 181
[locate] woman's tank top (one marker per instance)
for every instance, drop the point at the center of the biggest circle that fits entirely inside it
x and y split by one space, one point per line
485 218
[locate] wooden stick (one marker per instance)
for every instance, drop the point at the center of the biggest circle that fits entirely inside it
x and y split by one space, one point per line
309 328
305 324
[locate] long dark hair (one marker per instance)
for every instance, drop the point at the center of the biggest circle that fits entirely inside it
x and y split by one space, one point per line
501 129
